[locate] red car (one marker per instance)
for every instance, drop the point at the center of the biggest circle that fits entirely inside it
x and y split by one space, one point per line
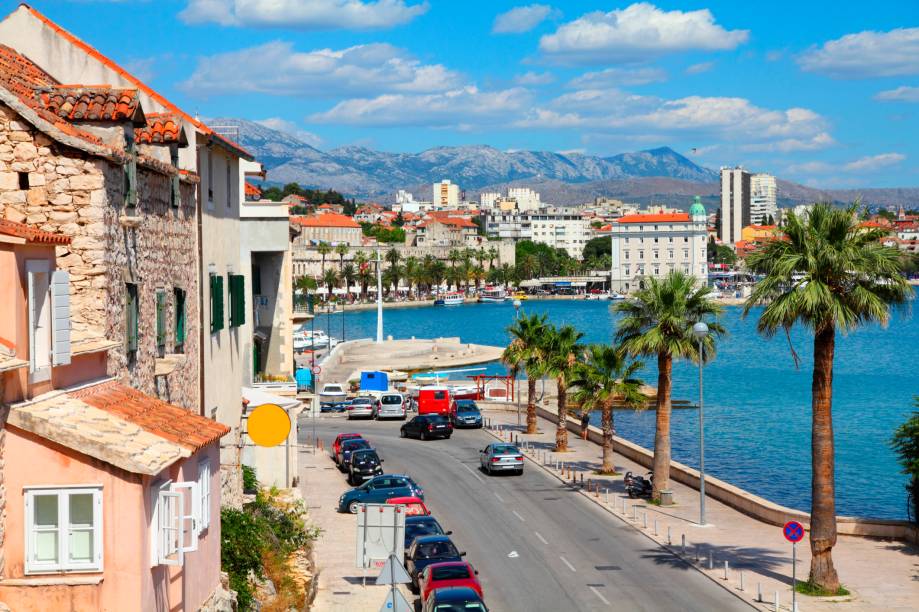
336 445
413 505
448 574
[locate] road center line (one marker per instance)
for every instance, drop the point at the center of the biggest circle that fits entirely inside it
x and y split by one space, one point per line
600 595
500 499
470 470
566 562
540 538
518 516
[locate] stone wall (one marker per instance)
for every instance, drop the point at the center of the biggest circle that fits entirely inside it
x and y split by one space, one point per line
72 193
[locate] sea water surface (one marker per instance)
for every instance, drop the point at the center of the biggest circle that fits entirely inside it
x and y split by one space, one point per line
757 403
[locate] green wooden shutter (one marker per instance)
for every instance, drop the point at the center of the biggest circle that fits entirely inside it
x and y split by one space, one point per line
160 317
216 303
180 319
237 300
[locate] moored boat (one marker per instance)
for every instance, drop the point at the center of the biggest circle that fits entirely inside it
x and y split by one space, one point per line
492 294
451 298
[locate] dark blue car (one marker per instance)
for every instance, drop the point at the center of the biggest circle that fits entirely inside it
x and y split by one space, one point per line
454 599
467 414
377 490
421 525
426 550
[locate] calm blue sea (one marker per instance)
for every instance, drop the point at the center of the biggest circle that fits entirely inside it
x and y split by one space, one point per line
757 404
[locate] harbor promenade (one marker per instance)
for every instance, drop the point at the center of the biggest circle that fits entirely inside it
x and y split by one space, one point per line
880 574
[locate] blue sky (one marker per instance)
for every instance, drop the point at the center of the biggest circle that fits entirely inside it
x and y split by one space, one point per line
814 91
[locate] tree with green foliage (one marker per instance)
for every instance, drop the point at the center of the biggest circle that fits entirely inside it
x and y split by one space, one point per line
412 269
600 246
342 249
330 280
657 322
561 349
550 261
829 273
605 376
323 248
348 274
388 235
393 257
526 353
720 253
905 443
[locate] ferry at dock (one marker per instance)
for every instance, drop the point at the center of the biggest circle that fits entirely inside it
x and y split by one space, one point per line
451 298
492 294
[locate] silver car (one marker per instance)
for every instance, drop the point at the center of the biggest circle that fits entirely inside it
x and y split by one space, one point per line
501 457
392 405
363 406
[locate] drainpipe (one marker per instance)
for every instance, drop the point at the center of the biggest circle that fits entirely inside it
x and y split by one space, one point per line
199 210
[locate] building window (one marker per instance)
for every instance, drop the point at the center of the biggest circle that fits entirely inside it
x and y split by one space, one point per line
179 300
670 254
657 254
641 254
130 173
216 282
63 530
23 180
626 254
256 280
204 488
161 322
685 252
671 240
132 316
175 522
229 188
237 290
175 193
210 177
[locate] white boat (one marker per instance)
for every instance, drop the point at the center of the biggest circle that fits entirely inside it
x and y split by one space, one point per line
616 296
451 298
305 340
332 393
492 294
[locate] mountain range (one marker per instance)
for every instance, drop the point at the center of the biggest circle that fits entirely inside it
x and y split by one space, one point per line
660 175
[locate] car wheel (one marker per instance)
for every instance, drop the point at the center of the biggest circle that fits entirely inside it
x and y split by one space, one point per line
401 433
447 437
424 436
353 507
520 472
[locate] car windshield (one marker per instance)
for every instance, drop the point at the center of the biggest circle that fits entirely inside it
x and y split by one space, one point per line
367 457
436 550
466 407
391 399
436 418
361 400
332 389
472 606
353 445
505 449
451 572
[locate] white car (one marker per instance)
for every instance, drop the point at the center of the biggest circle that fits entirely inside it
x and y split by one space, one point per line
392 405
363 406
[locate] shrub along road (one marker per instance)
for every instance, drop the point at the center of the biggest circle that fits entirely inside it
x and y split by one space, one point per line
537 544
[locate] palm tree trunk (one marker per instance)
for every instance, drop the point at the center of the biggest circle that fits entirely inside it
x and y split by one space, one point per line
823 504
531 405
661 467
561 429
606 423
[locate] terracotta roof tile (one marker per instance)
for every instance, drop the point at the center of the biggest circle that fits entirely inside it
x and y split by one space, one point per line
93 103
252 190
328 219
31 234
160 418
161 128
657 218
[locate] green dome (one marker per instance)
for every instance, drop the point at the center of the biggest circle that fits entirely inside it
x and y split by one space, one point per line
697 210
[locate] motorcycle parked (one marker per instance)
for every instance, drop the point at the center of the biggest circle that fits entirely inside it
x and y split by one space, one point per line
638 486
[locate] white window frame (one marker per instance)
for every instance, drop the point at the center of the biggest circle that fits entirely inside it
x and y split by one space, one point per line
174 522
35 267
63 565
204 494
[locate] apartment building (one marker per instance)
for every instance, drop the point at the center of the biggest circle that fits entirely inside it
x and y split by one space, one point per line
763 202
457 232
653 244
445 194
558 228
735 204
527 199
331 228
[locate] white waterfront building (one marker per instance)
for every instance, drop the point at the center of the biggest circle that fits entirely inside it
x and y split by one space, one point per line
652 245
763 204
558 228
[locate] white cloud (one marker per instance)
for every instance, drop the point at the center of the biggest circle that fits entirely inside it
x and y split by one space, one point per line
866 54
820 140
572 152
276 68
875 162
700 68
303 14
535 78
614 77
636 33
812 167
289 127
465 108
520 19
900 94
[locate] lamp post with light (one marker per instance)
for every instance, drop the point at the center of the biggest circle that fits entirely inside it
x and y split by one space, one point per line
700 332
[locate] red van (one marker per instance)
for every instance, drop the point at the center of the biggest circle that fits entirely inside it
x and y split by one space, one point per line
434 400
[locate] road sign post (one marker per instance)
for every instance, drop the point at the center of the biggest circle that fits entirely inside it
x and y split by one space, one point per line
794 533
394 573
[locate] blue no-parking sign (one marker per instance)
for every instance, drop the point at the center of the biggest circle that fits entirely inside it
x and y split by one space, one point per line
794 531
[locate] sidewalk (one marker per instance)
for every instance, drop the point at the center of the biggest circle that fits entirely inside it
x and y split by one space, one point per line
340 581
880 574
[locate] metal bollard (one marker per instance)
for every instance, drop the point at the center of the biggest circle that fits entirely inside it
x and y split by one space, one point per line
655 526
759 592
725 570
711 560
623 505
683 545
741 580
607 496
669 534
776 602
634 513
644 519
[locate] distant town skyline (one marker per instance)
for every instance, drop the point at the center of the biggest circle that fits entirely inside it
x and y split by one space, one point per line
806 91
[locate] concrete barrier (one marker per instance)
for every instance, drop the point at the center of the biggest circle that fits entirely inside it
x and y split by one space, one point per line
752 505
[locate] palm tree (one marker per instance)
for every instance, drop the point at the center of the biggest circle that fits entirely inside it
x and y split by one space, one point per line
658 322
454 256
492 255
454 275
507 273
330 280
362 264
525 352
412 271
393 258
603 378
323 248
827 273
478 273
341 249
561 352
348 274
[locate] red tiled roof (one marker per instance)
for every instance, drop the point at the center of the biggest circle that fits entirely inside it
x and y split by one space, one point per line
93 103
252 190
161 128
160 418
31 234
761 227
92 52
657 218
328 219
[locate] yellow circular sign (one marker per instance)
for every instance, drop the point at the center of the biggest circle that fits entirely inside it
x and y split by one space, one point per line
269 425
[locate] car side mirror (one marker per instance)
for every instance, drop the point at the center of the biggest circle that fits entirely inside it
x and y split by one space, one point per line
449 533
382 460
476 572
463 554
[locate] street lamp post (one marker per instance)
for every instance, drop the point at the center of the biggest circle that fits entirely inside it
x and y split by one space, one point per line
700 331
516 390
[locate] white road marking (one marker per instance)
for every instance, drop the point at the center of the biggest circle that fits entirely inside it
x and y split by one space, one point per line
540 538
500 499
600 595
470 470
518 516
566 562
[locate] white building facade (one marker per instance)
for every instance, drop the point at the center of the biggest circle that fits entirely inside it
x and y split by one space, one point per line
735 204
763 200
488 199
526 198
556 228
445 194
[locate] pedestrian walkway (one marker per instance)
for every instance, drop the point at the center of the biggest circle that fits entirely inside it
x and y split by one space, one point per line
880 574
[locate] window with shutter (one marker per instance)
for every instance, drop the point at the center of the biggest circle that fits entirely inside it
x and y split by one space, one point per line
60 317
216 303
179 297
161 321
176 195
237 300
132 315
40 332
130 174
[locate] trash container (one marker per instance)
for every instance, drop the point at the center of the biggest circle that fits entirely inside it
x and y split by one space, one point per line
666 498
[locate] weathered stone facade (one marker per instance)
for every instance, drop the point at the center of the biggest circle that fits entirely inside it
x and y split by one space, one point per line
76 194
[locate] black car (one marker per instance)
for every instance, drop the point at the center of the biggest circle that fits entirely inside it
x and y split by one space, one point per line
417 526
364 464
426 550
454 599
467 414
427 426
346 448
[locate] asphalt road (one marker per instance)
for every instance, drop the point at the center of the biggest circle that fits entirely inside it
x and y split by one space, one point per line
538 545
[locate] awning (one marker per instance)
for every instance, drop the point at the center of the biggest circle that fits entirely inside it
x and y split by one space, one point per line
257 397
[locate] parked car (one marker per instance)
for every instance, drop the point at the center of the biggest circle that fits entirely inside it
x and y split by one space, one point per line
364 464
377 490
427 550
427 426
501 457
449 574
336 445
466 414
392 405
363 406
347 447
421 525
413 505
450 599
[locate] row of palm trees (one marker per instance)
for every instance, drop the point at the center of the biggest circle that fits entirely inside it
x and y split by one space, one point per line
828 273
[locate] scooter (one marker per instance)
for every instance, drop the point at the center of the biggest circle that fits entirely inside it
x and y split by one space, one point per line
638 486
